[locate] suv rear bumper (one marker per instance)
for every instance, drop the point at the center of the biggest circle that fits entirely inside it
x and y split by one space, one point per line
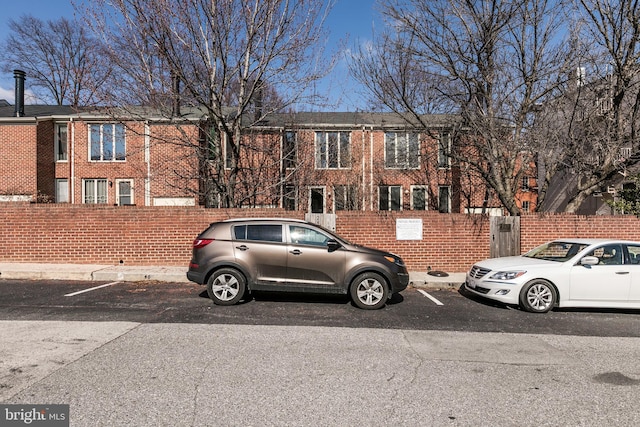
195 276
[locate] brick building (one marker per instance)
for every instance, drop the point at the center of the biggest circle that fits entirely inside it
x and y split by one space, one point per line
314 162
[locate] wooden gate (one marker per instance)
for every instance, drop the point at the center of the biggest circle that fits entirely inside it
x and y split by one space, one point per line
505 236
327 221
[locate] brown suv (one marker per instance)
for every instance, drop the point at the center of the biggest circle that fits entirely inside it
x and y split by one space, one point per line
238 256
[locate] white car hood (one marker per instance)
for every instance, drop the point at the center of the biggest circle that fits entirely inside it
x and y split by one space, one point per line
515 263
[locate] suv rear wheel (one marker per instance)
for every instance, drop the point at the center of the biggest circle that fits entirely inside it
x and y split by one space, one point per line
226 286
369 291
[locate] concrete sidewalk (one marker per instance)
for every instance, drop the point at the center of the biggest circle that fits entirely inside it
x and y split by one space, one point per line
122 273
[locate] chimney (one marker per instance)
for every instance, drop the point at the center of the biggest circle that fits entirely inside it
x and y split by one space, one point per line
257 100
175 88
19 75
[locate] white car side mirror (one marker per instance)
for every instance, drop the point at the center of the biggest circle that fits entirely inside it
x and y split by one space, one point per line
590 260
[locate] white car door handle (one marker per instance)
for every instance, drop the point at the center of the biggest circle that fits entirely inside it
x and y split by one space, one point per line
622 272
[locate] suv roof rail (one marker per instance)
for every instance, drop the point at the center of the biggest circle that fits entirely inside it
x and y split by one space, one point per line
264 219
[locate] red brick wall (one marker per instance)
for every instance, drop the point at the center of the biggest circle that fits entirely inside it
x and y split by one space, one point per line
536 229
18 154
102 234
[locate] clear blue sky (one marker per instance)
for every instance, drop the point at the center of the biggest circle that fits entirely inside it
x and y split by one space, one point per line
350 20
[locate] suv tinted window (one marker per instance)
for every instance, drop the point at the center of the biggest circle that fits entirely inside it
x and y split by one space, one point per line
261 232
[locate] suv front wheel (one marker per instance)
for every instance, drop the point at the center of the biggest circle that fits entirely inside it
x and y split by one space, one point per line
369 291
226 286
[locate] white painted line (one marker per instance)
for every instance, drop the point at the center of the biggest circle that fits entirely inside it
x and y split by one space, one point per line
91 289
430 297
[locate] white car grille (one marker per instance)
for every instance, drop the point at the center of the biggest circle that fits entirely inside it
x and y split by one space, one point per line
478 272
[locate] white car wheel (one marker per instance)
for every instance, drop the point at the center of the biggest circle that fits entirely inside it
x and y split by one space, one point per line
538 296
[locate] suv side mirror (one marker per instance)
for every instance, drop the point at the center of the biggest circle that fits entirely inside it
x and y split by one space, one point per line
333 245
590 260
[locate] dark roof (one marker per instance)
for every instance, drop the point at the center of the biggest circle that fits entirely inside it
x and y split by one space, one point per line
352 119
38 110
278 120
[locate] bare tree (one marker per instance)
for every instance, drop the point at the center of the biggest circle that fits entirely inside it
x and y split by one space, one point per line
59 56
598 115
236 62
490 63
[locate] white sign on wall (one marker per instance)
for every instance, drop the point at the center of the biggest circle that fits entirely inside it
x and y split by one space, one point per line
408 229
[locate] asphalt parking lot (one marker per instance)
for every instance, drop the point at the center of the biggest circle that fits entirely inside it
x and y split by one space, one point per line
418 309
152 353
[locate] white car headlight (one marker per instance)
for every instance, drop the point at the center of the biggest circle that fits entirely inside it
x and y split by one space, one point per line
506 275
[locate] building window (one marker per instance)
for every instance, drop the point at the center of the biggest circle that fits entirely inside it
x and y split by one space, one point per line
333 150
289 150
316 199
444 151
228 153
444 199
107 142
419 198
61 142
62 190
124 191
390 198
289 198
401 150
345 197
525 206
525 183
94 190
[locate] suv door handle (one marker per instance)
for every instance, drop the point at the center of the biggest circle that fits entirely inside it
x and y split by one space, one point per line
622 272
243 247
296 252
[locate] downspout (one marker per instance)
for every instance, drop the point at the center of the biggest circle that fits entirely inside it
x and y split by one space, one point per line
371 168
364 173
72 178
147 159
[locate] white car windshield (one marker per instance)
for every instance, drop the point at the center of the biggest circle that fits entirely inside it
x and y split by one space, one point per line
556 251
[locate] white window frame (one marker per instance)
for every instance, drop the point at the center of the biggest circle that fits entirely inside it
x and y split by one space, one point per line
323 148
62 183
289 189
424 188
103 156
405 140
291 161
118 195
448 201
94 182
444 151
324 198
388 189
56 142
350 197
226 150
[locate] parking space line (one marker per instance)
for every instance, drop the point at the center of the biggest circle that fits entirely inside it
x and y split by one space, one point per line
91 289
435 300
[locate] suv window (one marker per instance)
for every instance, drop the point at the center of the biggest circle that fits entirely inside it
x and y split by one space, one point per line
261 232
307 236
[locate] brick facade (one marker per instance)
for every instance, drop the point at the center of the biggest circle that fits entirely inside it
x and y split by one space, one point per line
18 158
134 235
164 163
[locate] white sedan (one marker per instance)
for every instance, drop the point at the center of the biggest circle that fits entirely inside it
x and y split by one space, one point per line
563 273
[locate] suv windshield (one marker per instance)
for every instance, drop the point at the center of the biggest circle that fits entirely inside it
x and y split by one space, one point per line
556 251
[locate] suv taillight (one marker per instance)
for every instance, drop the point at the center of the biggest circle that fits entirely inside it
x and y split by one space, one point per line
201 243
